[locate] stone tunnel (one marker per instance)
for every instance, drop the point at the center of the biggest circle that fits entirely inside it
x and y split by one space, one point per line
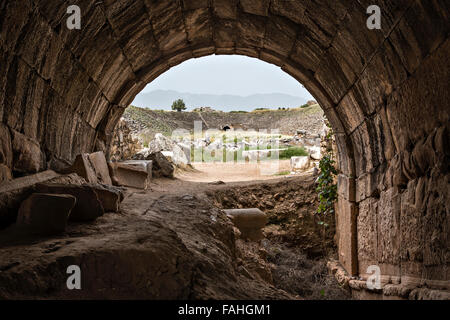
385 92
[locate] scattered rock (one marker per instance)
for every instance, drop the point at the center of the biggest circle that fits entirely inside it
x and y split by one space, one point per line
161 166
217 183
45 214
128 175
88 206
314 152
300 163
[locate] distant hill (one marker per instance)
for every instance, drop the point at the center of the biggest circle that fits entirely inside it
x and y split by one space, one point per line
163 99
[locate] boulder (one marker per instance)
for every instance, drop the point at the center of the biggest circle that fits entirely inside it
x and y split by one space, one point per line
45 214
186 148
180 154
88 206
300 163
92 167
160 143
314 152
128 175
249 222
14 192
161 166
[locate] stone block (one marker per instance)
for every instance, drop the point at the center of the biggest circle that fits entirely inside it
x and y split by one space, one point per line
28 156
367 233
249 222
128 175
92 167
389 208
143 164
45 214
6 154
14 192
346 213
88 206
5 173
98 162
346 187
225 9
260 8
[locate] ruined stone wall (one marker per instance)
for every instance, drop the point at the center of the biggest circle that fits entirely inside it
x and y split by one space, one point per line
385 92
123 145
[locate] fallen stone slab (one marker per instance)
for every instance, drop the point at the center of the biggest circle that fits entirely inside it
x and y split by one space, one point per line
88 206
143 164
249 222
14 192
109 196
92 167
45 214
128 175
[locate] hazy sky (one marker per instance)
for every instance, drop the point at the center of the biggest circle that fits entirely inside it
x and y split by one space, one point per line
237 75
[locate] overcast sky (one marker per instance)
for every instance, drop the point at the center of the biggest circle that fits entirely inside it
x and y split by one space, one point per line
223 74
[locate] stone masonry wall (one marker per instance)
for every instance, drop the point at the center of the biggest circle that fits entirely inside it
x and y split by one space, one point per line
385 92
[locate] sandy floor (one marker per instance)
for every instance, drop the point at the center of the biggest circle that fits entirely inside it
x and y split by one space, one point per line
234 172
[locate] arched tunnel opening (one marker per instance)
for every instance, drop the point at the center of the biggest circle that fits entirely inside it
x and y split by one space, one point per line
385 92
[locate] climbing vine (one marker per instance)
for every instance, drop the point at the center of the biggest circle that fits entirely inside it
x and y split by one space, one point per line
327 187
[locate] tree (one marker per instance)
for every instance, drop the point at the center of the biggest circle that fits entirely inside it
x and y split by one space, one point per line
178 105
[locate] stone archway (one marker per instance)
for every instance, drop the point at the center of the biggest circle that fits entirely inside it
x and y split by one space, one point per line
385 93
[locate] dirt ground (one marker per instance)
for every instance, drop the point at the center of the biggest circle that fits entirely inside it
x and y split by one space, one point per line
173 241
234 172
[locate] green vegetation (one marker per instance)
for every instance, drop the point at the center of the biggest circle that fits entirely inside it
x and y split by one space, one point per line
293 152
261 109
178 105
283 173
239 111
327 187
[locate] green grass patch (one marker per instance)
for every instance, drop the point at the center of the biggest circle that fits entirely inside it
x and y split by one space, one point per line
293 152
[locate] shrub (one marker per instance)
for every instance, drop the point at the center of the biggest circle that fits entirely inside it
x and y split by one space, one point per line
292 152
